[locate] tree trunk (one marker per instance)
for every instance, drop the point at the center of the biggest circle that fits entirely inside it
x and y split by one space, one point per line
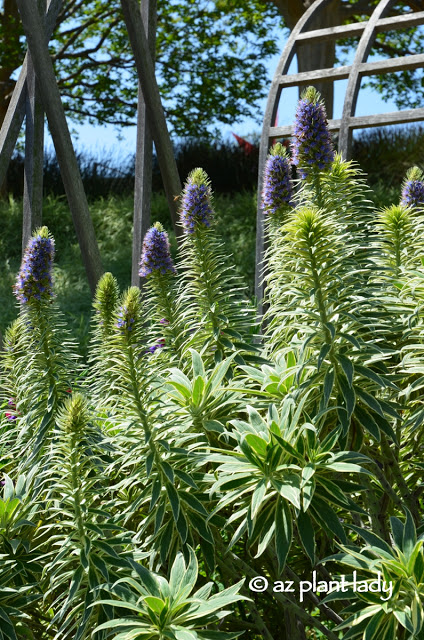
320 56
314 56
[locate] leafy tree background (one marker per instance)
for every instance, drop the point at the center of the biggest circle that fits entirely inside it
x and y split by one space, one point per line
211 58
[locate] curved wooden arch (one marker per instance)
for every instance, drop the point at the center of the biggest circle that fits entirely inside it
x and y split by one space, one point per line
354 83
269 120
367 32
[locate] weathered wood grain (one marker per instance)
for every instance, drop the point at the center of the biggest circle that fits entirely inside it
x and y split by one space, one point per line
391 65
361 122
34 156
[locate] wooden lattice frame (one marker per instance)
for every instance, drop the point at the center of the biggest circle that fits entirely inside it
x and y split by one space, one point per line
366 31
36 93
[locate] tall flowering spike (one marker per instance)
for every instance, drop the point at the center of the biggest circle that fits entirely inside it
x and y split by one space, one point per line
74 415
156 255
413 188
35 281
312 146
129 312
277 191
105 299
196 201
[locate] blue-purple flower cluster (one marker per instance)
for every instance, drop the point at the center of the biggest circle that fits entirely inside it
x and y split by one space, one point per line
155 255
35 281
312 146
413 188
277 190
160 344
196 208
125 319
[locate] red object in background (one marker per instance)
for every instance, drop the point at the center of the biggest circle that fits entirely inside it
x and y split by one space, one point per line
247 146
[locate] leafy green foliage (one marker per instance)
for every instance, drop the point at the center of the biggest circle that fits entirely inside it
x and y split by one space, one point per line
401 566
145 490
169 609
200 48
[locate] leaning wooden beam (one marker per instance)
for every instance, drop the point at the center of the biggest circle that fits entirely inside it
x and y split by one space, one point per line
58 126
16 110
146 74
34 152
144 152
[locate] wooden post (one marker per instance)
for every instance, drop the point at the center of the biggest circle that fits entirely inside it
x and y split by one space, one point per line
34 152
157 122
16 110
68 164
144 151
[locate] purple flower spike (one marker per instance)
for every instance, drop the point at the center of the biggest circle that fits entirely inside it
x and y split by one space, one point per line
34 281
156 256
196 208
413 188
277 191
312 146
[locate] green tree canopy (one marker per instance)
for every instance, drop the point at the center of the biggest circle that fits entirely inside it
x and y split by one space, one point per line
211 60
211 56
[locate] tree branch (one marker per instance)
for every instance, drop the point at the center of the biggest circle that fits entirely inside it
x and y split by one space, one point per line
80 29
391 50
70 9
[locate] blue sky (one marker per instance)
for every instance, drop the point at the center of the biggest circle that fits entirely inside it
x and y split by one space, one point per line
107 140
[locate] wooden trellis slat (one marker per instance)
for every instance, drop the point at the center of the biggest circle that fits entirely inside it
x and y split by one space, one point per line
269 121
367 32
356 28
402 63
362 122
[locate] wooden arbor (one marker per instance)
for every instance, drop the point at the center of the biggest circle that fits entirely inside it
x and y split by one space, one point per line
366 32
36 92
